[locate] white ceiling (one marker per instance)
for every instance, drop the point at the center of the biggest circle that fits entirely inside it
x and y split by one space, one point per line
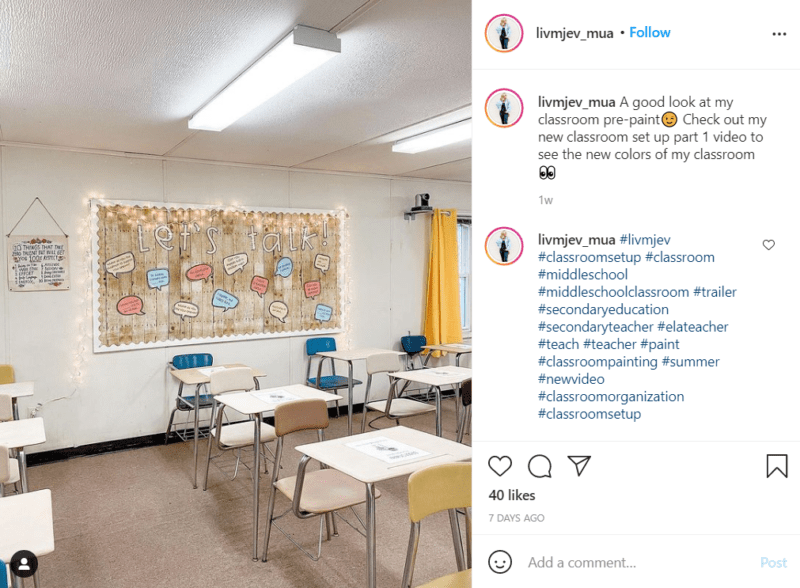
127 76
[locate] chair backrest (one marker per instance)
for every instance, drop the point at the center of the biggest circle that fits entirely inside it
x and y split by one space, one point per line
466 392
314 346
232 379
6 410
7 374
5 469
413 343
384 362
192 360
439 488
300 415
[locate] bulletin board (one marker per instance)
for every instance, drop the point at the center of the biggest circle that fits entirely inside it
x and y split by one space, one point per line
178 274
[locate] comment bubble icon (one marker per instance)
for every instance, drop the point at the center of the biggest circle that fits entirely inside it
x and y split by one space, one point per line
539 466
279 310
186 309
323 313
312 289
224 300
157 278
121 264
199 272
259 285
322 262
130 305
234 263
284 267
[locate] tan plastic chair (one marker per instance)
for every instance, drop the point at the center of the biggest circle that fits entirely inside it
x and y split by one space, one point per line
7 374
6 408
393 407
313 494
237 435
443 487
9 470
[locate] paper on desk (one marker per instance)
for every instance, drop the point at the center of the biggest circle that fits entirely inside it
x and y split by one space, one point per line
210 370
459 345
439 372
275 396
387 449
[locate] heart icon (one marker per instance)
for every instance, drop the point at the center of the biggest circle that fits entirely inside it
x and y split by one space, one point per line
769 244
500 465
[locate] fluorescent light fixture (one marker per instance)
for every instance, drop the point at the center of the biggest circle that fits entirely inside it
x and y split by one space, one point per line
302 51
440 137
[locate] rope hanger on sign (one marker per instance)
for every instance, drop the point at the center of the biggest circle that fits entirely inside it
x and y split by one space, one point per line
24 214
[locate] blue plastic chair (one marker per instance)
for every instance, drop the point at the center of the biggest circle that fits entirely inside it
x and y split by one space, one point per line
326 383
413 344
188 403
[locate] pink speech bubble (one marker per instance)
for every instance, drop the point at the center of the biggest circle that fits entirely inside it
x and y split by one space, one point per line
259 285
199 272
312 289
130 305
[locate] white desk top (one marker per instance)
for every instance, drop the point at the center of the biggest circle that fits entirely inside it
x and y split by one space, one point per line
16 434
440 376
27 524
450 347
356 354
195 376
247 403
367 469
17 389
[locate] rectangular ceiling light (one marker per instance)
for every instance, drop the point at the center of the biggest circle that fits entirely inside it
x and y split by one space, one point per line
302 51
454 133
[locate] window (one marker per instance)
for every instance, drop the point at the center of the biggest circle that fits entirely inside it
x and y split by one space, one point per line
464 233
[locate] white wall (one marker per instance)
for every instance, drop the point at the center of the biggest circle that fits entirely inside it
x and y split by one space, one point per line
47 335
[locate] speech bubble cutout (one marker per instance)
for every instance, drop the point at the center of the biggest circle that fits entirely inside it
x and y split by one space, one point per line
312 289
224 300
234 263
259 285
323 313
130 305
539 466
157 278
184 309
284 267
322 262
121 264
279 310
199 272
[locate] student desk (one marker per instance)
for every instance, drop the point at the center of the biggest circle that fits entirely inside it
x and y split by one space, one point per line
370 470
18 435
16 390
458 348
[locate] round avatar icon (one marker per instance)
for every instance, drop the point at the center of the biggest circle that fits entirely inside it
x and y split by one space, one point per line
504 108
504 33
504 246
500 562
670 119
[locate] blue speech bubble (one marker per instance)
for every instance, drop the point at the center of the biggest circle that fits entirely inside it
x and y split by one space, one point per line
323 313
225 300
284 267
157 278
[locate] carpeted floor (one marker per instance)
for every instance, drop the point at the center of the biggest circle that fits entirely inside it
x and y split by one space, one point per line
132 519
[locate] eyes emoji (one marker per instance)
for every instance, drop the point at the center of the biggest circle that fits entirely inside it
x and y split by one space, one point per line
547 172
670 119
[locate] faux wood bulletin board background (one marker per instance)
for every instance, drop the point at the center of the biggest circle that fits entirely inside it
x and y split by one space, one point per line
177 274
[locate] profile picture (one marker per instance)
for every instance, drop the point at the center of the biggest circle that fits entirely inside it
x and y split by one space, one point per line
504 108
504 33
504 246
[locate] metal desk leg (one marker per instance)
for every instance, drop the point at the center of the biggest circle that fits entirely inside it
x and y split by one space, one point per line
458 359
256 478
196 432
438 394
349 398
23 469
459 549
371 551
15 412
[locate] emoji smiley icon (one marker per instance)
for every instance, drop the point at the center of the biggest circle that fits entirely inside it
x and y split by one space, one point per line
500 562
547 172
670 119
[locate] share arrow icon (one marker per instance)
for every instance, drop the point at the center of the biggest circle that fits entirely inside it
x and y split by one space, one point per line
580 462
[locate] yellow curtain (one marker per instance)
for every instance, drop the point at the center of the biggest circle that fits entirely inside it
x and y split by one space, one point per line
443 308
